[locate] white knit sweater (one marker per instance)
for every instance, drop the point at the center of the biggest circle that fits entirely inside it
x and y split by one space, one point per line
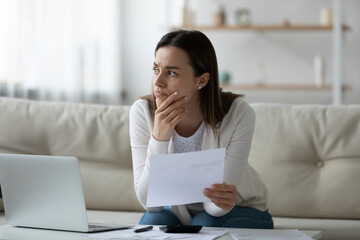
235 135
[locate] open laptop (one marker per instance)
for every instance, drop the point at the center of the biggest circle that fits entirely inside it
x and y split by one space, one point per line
45 192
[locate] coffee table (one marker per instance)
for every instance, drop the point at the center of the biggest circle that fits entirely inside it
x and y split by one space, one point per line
34 234
316 235
7 232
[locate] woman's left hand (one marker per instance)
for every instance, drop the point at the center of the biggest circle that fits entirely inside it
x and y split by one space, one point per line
222 195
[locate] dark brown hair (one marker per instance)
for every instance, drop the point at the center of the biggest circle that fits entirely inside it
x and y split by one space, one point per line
213 102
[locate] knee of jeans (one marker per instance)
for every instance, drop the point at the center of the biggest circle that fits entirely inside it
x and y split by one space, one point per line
248 222
165 217
206 220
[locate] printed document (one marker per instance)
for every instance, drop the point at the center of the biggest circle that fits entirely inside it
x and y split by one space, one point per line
207 234
268 234
156 234
181 178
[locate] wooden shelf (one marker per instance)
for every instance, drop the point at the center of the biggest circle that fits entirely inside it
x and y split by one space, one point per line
289 27
278 87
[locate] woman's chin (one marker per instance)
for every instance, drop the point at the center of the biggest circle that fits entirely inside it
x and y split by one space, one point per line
158 102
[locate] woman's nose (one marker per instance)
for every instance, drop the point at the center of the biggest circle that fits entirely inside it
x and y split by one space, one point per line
159 80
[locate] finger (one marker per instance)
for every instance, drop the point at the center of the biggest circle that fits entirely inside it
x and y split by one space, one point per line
210 192
175 113
222 200
224 187
178 118
168 114
224 204
168 101
175 105
222 197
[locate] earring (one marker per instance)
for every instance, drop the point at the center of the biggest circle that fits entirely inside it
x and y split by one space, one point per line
199 87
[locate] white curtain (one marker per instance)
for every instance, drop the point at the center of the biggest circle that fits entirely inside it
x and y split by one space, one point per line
62 50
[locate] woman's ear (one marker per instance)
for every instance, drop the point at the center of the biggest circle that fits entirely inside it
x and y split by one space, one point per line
203 80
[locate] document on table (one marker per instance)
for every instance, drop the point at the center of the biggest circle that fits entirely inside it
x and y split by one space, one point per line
268 234
156 234
207 234
182 177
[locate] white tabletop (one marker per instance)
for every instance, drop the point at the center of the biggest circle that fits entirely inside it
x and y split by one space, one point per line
8 232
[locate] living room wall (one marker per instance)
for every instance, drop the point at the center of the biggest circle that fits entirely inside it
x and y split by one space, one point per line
287 56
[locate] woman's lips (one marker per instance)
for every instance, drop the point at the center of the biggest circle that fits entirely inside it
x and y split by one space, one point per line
160 94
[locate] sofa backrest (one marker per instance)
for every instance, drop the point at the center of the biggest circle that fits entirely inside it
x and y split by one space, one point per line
307 155
309 158
97 134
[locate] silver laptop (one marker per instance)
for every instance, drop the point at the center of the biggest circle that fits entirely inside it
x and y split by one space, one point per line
45 192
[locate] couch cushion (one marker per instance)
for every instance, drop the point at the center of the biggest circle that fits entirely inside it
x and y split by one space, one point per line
114 217
332 229
108 187
97 134
309 158
91 132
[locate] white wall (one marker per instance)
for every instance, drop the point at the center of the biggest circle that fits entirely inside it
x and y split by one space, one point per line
288 56
144 23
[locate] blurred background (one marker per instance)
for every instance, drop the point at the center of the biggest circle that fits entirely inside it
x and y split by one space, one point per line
102 51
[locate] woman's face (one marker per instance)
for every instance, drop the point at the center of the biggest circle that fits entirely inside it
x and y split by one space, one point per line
173 73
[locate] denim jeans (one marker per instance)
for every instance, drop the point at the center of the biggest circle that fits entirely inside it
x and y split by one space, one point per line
238 217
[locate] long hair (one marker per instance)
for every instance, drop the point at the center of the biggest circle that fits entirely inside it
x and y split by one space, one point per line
214 103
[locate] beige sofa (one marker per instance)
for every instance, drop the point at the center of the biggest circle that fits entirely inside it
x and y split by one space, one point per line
308 156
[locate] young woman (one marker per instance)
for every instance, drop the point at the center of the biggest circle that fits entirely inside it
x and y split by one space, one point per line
187 111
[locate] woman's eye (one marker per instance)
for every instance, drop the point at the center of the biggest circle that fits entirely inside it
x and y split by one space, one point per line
156 71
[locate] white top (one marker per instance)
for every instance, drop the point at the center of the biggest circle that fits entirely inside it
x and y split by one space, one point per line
236 133
190 144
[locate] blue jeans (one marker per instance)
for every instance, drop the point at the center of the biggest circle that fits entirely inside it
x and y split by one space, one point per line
238 217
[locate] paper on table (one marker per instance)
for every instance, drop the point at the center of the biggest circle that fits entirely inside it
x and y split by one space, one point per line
207 234
270 234
181 178
156 234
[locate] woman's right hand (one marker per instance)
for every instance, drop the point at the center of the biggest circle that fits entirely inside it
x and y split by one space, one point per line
167 116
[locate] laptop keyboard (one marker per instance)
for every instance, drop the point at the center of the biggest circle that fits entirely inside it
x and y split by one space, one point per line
105 227
95 226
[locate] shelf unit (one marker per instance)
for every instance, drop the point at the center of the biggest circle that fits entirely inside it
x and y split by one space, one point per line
337 30
279 87
285 27
264 28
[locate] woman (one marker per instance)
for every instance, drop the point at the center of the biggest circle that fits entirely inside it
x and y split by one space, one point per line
187 111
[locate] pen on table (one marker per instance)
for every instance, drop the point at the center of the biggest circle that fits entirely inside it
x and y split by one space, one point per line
144 229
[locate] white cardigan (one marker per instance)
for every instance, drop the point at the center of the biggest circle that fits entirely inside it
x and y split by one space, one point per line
235 135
